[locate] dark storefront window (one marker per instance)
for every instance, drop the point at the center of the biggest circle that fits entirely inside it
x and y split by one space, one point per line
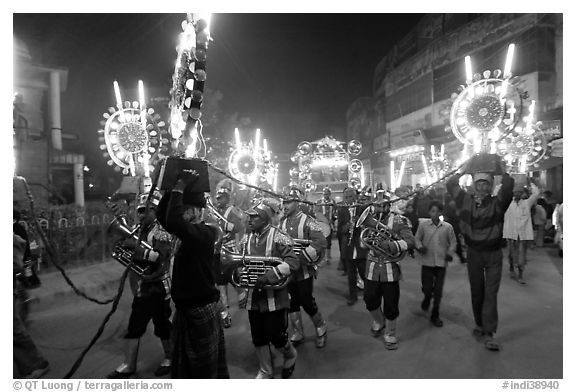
410 98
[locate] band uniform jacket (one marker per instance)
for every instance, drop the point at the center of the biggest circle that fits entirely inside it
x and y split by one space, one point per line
271 242
378 267
159 258
304 227
233 227
354 250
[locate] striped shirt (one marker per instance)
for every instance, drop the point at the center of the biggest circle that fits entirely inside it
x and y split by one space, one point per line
271 242
304 227
378 267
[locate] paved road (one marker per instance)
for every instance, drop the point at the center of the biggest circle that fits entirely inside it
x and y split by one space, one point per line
530 331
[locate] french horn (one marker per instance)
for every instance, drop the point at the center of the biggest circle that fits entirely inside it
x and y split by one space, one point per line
375 234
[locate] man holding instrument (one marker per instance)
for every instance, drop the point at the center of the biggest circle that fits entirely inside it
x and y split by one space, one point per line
268 305
300 226
151 290
383 274
352 254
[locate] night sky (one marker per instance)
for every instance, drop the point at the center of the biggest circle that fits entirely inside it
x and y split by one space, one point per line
293 75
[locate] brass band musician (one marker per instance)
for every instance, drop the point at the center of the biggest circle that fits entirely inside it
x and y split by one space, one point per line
299 225
151 290
381 287
353 255
268 307
327 208
233 230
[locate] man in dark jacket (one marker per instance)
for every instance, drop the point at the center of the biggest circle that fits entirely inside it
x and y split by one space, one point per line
481 221
353 255
198 334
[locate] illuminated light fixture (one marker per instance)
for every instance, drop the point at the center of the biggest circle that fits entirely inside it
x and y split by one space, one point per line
118 99
468 64
508 64
392 177
399 179
237 138
142 103
257 143
426 171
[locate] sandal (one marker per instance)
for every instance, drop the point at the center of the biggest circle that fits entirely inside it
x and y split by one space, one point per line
492 344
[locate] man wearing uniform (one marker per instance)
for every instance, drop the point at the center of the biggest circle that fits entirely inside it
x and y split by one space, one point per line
151 290
327 208
233 230
300 226
352 254
382 287
268 307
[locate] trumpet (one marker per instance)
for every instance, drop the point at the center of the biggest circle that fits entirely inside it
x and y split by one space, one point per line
375 233
124 255
250 267
220 218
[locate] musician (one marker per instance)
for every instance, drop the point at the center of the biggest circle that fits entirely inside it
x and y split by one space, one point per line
351 253
233 230
151 290
267 307
326 207
382 287
299 225
198 334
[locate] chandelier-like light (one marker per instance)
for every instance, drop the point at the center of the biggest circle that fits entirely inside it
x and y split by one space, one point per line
133 136
489 107
252 162
325 153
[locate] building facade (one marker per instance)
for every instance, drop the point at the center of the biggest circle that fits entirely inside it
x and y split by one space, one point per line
54 175
413 84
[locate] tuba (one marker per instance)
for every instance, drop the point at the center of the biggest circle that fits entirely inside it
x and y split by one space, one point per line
250 267
124 255
374 234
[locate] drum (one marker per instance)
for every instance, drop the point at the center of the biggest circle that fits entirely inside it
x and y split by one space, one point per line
324 224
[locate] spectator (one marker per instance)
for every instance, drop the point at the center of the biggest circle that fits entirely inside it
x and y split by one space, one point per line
518 229
451 216
436 241
28 362
559 223
539 220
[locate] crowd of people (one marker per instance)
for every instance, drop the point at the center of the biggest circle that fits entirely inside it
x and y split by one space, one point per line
193 250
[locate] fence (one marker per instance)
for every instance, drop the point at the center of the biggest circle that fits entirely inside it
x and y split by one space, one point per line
78 240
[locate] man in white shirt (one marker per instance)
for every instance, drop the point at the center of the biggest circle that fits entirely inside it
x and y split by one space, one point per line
436 242
518 229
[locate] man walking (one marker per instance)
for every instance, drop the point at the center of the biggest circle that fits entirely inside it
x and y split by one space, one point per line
436 242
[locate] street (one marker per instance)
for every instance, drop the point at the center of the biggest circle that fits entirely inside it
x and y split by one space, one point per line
530 331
